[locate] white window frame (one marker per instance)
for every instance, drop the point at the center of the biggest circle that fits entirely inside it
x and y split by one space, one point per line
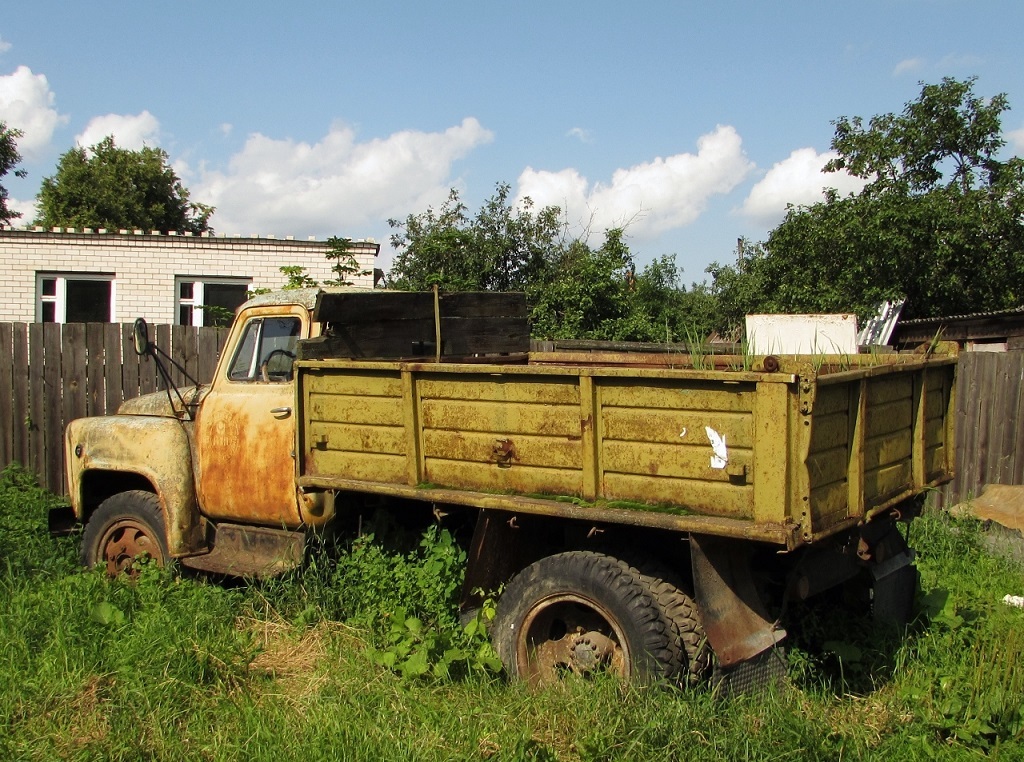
197 301
60 297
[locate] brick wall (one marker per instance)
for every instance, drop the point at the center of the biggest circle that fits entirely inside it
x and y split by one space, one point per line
144 265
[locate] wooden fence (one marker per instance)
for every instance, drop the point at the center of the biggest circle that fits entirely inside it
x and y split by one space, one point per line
989 423
51 374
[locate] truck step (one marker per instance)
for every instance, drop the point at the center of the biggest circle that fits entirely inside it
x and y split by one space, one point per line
247 551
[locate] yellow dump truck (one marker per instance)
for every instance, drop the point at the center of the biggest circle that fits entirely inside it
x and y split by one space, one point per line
643 513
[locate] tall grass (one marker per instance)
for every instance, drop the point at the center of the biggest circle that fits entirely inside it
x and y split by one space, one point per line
172 667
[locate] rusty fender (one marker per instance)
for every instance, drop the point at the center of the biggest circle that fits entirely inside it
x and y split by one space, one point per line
737 625
157 449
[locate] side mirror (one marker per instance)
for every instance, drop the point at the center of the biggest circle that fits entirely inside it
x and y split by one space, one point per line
140 335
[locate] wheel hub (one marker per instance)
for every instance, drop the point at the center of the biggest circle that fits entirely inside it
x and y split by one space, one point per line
590 650
570 634
125 542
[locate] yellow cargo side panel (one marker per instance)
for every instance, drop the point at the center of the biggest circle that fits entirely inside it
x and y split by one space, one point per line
682 443
828 459
493 434
355 427
888 443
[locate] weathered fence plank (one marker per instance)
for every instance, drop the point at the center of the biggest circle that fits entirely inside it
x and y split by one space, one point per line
6 392
112 384
129 365
209 343
20 417
52 467
36 396
162 337
96 360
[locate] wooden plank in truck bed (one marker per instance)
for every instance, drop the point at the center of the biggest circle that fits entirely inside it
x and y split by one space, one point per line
395 324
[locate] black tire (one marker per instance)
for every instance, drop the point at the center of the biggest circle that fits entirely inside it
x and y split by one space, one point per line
696 658
124 527
580 612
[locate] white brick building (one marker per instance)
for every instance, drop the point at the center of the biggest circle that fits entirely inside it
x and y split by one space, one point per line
63 275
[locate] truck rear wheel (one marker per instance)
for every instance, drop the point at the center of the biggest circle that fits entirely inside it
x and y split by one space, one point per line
696 658
581 613
125 527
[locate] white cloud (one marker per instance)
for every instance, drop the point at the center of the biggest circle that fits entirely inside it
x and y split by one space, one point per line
796 180
946 64
27 209
131 131
27 103
582 135
960 61
651 198
226 128
1015 139
908 66
337 186
4 45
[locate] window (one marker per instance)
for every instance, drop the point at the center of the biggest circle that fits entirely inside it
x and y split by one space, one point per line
209 301
74 298
267 350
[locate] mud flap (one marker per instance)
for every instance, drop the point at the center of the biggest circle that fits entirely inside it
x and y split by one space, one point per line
738 627
62 521
893 600
894 580
752 676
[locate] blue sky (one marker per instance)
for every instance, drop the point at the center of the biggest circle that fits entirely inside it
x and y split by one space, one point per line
695 123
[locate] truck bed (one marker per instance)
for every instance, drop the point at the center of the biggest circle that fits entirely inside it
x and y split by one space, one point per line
787 452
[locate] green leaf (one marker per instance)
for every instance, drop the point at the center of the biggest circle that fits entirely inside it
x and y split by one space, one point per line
107 614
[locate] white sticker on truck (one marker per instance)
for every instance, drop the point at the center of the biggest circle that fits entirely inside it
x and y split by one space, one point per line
720 456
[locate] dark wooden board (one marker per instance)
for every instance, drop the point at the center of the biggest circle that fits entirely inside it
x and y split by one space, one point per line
6 392
21 415
362 307
484 304
400 325
404 339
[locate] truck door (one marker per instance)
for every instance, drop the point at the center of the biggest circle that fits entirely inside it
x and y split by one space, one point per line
245 430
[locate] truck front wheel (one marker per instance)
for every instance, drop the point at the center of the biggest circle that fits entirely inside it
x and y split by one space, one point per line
125 527
580 613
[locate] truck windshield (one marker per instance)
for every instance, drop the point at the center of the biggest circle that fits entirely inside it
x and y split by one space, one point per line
267 350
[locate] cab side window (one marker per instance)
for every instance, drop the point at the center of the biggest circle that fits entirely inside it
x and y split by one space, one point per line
266 351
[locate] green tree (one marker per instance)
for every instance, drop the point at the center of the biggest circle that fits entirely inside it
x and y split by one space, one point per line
296 277
9 159
117 188
659 308
940 220
574 290
501 248
581 293
344 264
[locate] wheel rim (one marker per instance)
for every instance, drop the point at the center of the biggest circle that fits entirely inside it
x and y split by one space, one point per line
123 542
569 634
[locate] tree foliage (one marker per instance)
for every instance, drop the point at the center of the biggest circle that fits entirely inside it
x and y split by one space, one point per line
343 262
582 292
574 290
501 248
109 187
940 220
296 277
9 159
